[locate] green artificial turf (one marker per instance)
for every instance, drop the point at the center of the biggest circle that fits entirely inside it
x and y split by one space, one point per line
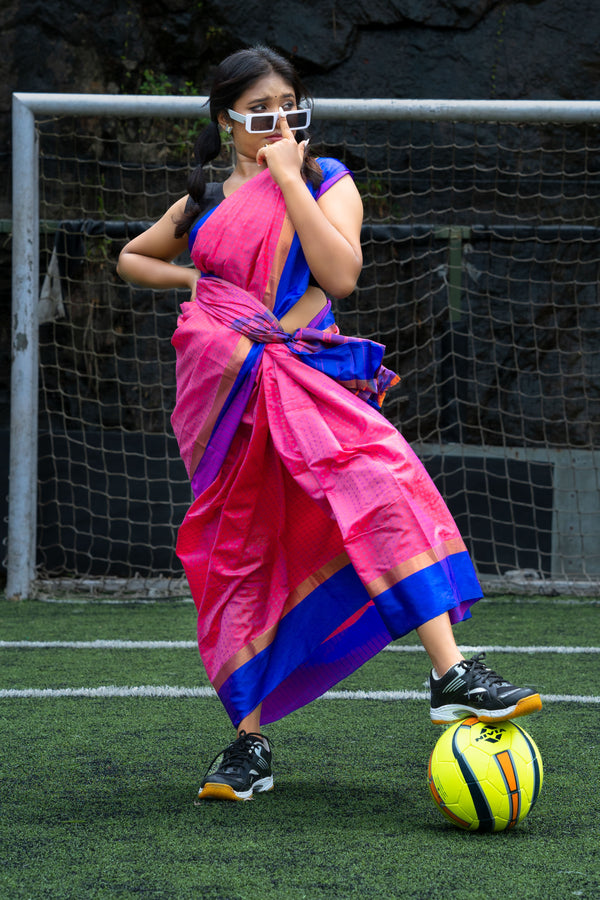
98 794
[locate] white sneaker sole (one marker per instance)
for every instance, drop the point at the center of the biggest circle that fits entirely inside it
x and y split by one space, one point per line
445 715
216 791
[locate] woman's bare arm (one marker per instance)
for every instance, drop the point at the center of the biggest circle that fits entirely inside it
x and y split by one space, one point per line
329 230
147 259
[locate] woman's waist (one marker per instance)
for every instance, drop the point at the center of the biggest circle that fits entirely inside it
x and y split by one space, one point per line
235 305
310 309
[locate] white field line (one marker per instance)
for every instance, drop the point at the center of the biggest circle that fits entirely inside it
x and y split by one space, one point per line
98 645
164 601
172 692
192 645
498 648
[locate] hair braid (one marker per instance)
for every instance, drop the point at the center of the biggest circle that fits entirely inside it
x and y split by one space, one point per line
206 148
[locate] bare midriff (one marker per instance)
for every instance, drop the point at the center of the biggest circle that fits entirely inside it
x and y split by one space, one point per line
304 311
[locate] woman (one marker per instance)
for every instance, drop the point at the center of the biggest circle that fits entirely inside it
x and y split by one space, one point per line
316 536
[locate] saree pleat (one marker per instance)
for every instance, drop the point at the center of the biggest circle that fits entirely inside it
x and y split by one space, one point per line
316 535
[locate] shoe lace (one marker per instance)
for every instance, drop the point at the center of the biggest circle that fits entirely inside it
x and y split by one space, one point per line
476 669
236 753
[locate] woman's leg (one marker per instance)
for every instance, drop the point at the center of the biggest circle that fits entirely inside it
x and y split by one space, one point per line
438 639
244 766
251 723
473 689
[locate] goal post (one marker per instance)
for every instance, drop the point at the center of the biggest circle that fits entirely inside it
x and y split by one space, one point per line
466 232
22 497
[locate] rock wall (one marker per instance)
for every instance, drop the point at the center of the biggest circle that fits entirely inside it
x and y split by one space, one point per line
374 48
358 48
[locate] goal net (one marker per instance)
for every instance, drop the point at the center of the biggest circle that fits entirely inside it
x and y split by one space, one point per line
482 254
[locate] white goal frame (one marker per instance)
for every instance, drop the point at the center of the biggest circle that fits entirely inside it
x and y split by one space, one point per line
22 498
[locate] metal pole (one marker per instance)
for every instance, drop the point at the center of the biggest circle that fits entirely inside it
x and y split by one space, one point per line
362 109
22 494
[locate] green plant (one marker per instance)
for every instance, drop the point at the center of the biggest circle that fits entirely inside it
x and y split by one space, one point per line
159 84
156 83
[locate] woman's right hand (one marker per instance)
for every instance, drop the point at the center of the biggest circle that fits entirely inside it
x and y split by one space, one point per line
284 157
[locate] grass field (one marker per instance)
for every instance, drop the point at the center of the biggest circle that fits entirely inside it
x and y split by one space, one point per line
98 788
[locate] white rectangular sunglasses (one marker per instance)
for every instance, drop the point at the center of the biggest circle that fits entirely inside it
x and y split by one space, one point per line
264 123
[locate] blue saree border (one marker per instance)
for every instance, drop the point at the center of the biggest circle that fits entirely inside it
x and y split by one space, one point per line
307 657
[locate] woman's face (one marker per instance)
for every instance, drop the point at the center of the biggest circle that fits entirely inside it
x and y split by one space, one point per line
265 95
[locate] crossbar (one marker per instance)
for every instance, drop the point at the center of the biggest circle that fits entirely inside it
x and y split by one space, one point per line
140 106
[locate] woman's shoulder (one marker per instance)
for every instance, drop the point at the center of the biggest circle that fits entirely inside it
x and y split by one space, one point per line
329 165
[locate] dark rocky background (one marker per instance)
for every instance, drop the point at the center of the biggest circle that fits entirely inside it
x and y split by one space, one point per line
467 49
464 49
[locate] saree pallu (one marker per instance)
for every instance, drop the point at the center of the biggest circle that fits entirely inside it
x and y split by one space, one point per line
316 536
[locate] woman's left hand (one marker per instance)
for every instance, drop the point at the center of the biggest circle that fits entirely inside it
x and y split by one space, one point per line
284 157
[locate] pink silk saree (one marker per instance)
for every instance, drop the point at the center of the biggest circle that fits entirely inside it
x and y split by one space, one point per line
316 536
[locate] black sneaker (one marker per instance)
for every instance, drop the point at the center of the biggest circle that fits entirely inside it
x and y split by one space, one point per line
240 769
470 688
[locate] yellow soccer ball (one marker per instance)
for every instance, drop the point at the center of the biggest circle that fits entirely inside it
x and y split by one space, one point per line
485 777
